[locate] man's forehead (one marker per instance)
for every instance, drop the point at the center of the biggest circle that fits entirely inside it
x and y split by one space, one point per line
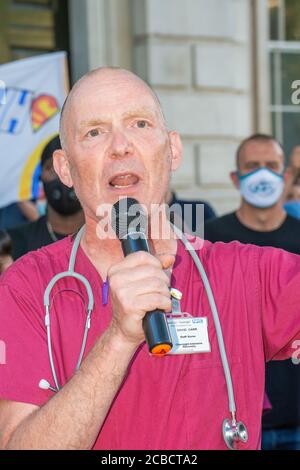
254 149
108 86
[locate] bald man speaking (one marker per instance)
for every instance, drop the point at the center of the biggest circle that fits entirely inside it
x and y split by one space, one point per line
115 144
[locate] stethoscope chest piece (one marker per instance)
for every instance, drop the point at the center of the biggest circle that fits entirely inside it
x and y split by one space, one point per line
233 433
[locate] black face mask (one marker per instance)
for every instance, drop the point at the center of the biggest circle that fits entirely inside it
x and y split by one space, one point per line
61 198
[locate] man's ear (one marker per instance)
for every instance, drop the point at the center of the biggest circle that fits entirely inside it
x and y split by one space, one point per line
235 179
62 167
176 150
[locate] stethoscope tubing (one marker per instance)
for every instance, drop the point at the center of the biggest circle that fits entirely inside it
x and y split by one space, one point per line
85 282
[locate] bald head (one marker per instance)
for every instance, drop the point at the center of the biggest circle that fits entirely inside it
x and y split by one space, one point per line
101 76
258 141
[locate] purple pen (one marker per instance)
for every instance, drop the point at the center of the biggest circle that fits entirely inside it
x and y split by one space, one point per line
105 289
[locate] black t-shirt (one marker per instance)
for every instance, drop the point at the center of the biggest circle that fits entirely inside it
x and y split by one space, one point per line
31 236
209 213
190 219
282 377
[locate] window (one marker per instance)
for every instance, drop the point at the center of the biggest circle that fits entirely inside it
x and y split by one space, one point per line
284 49
30 27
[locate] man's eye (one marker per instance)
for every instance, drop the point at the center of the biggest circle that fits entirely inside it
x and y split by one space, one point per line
250 166
142 124
93 133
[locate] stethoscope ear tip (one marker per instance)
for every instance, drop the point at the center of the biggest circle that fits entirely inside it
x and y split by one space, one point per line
233 433
44 385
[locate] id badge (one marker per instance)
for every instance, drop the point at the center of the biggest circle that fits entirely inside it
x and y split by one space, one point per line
189 334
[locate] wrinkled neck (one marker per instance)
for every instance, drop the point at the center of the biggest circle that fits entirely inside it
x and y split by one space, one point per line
104 253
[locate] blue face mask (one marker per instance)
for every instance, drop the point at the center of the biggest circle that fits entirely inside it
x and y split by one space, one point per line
262 187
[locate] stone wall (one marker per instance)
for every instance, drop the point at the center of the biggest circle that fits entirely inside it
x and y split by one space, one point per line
197 56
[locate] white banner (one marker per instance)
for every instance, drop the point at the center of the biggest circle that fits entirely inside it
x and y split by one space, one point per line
32 92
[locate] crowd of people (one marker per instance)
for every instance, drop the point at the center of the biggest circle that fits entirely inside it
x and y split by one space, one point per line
263 219
268 216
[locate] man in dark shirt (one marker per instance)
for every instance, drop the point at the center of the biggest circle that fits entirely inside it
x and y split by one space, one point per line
172 199
189 215
63 215
262 220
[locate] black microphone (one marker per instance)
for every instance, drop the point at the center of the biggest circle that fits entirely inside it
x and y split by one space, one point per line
130 223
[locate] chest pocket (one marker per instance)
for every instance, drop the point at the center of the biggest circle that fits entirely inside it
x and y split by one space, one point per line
205 400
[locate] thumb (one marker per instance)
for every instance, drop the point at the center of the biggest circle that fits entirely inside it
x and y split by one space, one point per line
167 260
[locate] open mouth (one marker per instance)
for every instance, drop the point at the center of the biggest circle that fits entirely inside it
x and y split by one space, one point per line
124 181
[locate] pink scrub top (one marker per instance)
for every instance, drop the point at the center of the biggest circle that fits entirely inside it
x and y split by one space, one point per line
171 402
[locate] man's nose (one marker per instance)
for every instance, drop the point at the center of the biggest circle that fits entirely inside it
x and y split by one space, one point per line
121 145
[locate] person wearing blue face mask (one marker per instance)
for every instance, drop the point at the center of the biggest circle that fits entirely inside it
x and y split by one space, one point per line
262 220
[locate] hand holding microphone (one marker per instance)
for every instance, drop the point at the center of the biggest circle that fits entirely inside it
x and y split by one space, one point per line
139 286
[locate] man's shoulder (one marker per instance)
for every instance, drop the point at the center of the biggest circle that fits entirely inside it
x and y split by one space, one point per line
49 253
27 230
291 221
222 220
21 231
223 261
221 255
223 228
208 210
41 260
232 247
207 250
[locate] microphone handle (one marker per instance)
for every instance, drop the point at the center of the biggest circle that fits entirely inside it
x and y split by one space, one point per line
155 324
157 333
134 242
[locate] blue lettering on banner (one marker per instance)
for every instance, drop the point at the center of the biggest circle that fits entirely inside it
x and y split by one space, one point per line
16 111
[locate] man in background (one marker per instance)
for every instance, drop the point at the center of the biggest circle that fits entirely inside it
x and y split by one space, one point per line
262 220
63 214
189 215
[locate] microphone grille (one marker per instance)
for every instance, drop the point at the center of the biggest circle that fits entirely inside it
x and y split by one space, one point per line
128 216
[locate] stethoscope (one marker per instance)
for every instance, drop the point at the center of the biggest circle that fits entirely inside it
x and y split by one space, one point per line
233 431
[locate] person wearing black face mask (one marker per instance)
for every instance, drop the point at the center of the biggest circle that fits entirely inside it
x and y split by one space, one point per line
63 216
